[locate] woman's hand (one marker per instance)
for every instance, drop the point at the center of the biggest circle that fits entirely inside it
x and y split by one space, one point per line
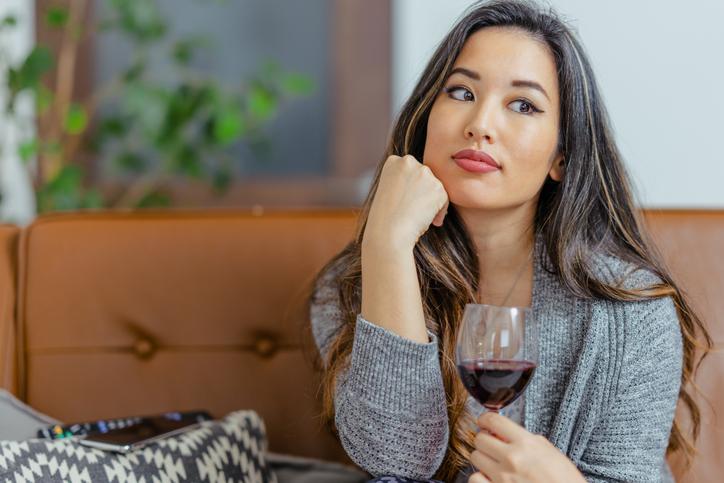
512 454
408 199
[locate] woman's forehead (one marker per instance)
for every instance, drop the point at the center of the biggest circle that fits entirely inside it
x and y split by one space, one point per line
502 54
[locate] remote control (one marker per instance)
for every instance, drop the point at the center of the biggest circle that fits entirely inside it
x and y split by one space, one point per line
103 426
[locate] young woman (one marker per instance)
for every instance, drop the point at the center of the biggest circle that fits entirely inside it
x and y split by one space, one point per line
502 184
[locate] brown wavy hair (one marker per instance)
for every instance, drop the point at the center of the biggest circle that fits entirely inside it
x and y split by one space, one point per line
591 211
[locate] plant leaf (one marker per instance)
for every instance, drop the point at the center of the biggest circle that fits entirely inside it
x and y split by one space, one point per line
140 19
76 120
188 162
262 103
28 149
182 52
135 71
221 180
297 84
37 63
57 17
113 127
228 126
132 162
9 21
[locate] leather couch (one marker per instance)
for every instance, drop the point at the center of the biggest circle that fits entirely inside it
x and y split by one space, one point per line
112 314
121 314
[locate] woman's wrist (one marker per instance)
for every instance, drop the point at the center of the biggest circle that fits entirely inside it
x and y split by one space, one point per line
385 246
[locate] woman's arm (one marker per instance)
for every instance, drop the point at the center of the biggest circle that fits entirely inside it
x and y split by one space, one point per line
390 287
631 440
390 406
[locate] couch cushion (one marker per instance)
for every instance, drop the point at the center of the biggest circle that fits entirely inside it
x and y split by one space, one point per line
19 421
294 469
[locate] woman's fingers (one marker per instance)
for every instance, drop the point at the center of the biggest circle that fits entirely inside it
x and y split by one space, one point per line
484 463
501 426
408 199
490 445
440 217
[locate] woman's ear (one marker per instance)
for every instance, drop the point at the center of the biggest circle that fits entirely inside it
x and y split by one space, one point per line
557 169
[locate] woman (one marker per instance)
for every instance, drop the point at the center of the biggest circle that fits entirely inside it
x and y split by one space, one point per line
502 184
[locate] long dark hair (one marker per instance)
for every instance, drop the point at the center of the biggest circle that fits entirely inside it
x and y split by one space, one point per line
591 211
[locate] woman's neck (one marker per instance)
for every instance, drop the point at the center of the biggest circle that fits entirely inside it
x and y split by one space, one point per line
504 243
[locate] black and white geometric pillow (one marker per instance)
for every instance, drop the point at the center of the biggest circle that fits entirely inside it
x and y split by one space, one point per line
230 450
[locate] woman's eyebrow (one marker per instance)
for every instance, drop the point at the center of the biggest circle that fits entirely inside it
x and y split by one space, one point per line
514 83
531 85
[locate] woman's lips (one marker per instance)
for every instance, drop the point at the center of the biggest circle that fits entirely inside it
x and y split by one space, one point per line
475 166
475 161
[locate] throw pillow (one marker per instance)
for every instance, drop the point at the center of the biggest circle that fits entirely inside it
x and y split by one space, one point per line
232 449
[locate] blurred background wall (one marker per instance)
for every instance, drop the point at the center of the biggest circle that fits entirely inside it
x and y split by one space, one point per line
659 67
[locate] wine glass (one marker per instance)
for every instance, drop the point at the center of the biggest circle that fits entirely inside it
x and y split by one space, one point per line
496 353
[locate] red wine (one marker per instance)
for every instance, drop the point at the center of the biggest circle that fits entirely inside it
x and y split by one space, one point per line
495 383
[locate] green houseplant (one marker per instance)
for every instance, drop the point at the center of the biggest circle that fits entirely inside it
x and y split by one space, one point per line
150 129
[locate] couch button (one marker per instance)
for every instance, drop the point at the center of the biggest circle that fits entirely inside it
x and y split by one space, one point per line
265 346
144 348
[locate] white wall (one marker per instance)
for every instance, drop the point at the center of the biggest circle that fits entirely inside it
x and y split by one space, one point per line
660 68
18 201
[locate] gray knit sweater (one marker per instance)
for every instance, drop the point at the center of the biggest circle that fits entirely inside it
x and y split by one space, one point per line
604 392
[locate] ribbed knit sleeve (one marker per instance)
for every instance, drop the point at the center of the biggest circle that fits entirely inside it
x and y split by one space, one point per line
630 440
390 405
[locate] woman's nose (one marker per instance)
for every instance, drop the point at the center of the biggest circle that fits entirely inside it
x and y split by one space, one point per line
480 126
477 134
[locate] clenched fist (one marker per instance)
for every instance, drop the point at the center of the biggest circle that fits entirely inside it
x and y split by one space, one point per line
408 199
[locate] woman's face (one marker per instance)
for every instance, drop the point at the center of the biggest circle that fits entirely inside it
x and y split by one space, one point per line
484 106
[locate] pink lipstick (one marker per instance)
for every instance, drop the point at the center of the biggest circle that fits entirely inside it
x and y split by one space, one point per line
475 161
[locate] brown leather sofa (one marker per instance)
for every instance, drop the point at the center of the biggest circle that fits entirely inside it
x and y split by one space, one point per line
692 243
120 314
113 314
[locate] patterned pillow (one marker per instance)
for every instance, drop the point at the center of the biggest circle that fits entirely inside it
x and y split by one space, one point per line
232 449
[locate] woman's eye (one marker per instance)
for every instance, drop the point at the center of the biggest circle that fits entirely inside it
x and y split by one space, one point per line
454 92
525 107
463 94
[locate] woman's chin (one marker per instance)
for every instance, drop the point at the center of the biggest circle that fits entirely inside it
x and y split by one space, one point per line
478 205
